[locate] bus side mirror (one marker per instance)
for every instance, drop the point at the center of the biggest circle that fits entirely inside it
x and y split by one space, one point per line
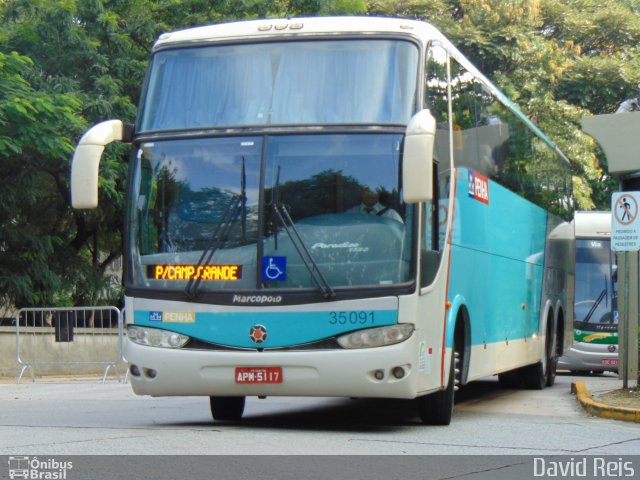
417 169
86 160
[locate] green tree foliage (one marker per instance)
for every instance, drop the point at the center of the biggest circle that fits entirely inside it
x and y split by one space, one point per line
558 60
36 129
79 62
80 50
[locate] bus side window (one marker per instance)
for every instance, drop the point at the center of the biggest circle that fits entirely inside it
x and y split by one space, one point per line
430 248
434 217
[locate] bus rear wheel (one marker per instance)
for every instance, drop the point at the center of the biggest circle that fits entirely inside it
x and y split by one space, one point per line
227 408
552 364
542 374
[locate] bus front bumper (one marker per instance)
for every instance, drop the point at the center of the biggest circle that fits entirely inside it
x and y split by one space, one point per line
588 357
384 372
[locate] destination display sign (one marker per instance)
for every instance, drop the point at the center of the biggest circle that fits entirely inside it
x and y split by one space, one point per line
227 273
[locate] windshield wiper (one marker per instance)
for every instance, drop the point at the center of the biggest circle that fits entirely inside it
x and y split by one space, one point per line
236 206
593 308
280 212
217 239
243 205
283 216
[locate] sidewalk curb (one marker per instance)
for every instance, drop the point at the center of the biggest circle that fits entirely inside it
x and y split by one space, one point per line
600 409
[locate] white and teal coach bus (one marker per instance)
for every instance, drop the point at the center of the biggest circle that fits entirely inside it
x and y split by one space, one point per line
335 207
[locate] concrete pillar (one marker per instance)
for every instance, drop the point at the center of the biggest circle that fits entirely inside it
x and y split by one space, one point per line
618 135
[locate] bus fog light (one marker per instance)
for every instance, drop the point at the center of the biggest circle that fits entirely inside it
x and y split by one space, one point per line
378 374
398 372
156 337
135 371
151 373
376 337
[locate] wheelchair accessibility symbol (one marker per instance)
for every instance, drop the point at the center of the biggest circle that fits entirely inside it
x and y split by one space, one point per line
274 269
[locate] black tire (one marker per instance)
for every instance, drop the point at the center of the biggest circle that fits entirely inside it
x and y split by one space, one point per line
227 408
437 408
543 373
552 363
538 376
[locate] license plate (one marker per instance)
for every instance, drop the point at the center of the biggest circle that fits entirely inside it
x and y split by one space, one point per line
610 362
258 374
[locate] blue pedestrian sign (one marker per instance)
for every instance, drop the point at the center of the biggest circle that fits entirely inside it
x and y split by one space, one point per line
625 221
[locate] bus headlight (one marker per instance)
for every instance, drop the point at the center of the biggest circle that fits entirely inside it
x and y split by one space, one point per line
376 337
154 337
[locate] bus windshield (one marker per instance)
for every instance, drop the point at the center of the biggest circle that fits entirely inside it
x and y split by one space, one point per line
596 288
292 83
282 211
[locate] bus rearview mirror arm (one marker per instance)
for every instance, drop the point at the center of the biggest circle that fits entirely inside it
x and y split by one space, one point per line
417 169
86 160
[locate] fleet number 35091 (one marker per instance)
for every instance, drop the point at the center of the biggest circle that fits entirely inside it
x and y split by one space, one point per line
360 317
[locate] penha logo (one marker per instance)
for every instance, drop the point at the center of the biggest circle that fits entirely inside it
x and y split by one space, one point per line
179 317
36 469
478 187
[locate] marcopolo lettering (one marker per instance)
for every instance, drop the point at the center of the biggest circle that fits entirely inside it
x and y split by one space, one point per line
257 299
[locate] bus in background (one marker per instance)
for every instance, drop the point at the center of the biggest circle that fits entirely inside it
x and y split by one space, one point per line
335 207
595 343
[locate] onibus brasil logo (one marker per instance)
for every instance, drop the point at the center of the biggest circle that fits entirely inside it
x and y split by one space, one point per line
33 468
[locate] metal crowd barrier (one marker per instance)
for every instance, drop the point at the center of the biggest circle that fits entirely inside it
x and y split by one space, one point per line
63 339
123 338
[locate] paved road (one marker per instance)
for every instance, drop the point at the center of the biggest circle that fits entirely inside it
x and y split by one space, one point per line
91 418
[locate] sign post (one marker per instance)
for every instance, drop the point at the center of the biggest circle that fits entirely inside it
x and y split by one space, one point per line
625 238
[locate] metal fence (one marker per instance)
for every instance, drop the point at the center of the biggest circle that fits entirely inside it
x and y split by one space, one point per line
69 340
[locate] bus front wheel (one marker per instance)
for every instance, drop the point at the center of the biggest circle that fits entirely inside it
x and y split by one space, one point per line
437 408
227 408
